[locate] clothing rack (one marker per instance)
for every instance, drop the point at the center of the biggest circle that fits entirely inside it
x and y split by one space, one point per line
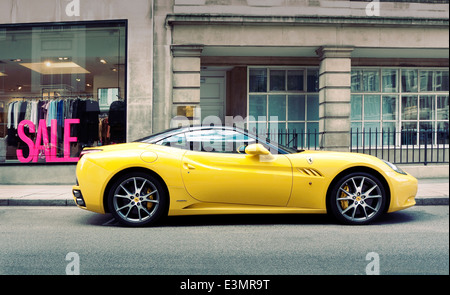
53 97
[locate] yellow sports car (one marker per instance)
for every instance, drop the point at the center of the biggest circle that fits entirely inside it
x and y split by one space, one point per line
225 170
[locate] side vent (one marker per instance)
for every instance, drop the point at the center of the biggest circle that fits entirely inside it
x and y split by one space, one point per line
310 172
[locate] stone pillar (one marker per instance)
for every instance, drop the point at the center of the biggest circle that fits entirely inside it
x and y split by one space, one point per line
186 80
334 97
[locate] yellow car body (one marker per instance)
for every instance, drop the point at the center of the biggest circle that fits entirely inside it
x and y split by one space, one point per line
254 181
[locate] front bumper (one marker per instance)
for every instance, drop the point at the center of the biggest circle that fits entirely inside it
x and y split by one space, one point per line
403 191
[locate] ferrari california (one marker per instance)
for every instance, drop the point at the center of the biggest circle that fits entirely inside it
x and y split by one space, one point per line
226 170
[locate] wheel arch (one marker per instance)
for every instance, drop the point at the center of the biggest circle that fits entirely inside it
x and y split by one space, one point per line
368 170
130 170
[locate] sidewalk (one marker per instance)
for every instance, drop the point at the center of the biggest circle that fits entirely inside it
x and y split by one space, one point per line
430 192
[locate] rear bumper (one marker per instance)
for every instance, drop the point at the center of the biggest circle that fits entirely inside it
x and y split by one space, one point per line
91 179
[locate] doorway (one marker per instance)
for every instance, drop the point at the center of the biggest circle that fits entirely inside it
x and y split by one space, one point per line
212 94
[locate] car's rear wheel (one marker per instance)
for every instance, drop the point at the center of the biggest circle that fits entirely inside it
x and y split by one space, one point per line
137 199
357 198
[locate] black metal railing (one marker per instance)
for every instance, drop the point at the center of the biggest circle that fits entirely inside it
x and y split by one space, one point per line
407 146
302 139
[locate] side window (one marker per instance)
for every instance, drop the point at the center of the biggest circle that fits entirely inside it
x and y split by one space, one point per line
218 141
176 141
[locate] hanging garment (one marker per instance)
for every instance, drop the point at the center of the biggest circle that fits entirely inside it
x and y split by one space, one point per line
117 121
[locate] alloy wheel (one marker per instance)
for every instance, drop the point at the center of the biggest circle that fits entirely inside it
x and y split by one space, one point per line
135 200
359 199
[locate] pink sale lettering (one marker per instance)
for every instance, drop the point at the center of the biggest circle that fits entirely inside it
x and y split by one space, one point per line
42 143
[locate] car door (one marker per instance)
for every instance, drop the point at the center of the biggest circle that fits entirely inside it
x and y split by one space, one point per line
213 171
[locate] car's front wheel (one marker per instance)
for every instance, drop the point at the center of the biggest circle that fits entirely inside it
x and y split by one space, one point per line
137 199
357 198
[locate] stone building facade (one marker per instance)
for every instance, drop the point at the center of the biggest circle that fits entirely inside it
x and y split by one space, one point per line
321 65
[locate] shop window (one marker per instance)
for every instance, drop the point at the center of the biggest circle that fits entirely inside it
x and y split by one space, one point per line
62 88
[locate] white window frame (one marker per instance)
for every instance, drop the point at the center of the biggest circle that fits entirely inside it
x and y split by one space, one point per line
399 94
283 124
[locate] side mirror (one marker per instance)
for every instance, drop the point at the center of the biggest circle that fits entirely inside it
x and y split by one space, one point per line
256 149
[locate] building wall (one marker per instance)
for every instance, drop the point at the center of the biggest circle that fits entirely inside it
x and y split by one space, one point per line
313 8
335 34
169 41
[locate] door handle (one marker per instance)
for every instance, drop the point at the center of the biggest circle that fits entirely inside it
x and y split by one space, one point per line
188 166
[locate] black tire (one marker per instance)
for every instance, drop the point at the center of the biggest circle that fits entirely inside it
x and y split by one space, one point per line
357 199
137 199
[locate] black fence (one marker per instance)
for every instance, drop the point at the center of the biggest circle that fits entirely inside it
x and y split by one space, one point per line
406 146
303 139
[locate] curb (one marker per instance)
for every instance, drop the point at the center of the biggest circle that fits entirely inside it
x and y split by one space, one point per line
432 201
37 202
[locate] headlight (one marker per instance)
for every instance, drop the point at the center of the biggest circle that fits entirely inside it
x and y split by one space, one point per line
394 167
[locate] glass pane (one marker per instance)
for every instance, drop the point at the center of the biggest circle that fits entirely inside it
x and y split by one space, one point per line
295 80
277 107
257 80
258 128
426 81
389 80
442 133
372 107
276 131
409 107
299 129
296 108
313 107
442 107
257 105
441 80
371 81
390 107
409 133
426 110
275 127
372 134
312 135
356 80
389 130
356 111
409 81
313 80
426 133
356 130
277 80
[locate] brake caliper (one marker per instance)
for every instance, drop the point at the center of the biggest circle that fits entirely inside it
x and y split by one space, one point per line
344 204
149 204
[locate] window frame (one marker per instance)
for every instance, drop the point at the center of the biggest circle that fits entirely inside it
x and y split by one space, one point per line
400 95
262 123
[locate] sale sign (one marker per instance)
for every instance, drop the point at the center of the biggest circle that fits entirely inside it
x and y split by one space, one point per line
42 143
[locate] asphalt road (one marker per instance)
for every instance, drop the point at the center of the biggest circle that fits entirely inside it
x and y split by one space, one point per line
57 240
